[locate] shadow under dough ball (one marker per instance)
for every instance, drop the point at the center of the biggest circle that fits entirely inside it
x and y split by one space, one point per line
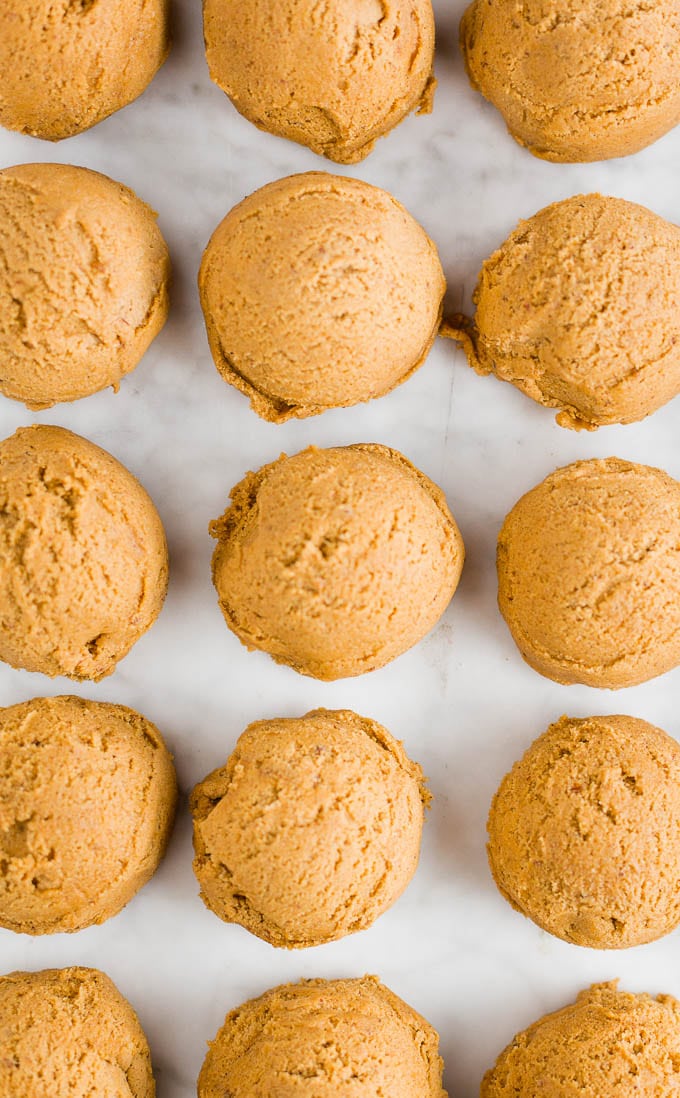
608 1044
577 81
319 292
336 561
580 309
69 1033
83 556
67 65
332 76
84 275
323 1038
584 832
589 574
340 839
87 800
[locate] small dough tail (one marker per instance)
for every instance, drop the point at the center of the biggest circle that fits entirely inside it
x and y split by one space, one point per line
462 328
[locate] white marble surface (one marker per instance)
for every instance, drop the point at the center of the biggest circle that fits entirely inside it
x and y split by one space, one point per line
463 701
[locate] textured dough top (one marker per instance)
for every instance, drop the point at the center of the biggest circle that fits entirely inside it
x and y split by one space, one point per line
333 76
83 557
608 1044
566 103
87 796
584 832
322 1039
83 282
589 573
336 561
319 292
580 309
67 64
69 1033
339 839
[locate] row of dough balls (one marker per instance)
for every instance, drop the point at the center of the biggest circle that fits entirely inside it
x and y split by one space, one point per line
320 292
321 1038
312 828
336 77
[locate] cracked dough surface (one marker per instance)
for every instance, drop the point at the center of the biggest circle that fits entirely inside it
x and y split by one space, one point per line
584 832
578 80
69 1033
336 561
319 292
84 277
311 830
87 798
589 573
67 64
334 75
580 309
83 557
607 1044
324 1039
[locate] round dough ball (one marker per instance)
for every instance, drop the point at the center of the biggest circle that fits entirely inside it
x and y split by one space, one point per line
69 1033
340 839
68 64
336 561
335 77
584 832
580 309
319 292
589 574
83 557
87 799
84 277
607 1044
577 80
322 1038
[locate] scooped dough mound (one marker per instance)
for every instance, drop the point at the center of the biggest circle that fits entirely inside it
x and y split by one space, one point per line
584 832
339 840
319 292
84 277
577 80
69 1033
589 573
336 561
83 556
321 1039
67 64
333 76
580 309
87 798
607 1044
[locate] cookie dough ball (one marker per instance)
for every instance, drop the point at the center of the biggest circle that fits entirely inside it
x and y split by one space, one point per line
580 309
84 277
584 832
69 1033
68 65
87 799
83 557
335 76
589 574
566 103
340 839
322 1038
319 292
336 561
607 1044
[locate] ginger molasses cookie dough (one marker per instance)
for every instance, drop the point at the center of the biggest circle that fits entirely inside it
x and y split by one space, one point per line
340 839
84 277
83 556
336 561
319 292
